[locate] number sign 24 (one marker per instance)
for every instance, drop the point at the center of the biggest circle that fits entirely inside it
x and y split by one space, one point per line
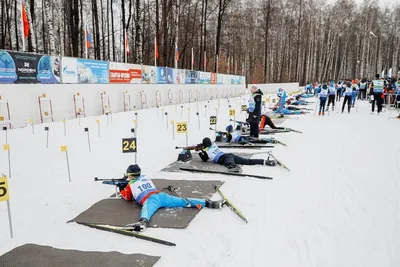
129 145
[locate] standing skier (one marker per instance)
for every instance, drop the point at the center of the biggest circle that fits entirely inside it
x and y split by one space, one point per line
322 99
254 110
348 92
377 88
331 96
146 194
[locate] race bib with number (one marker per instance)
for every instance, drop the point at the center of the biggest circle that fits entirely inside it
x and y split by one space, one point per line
324 93
214 153
141 188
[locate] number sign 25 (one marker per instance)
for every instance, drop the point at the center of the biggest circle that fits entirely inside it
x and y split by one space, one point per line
181 127
213 120
129 145
4 196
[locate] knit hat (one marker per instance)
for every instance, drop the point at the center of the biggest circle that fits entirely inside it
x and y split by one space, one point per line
133 170
229 128
207 142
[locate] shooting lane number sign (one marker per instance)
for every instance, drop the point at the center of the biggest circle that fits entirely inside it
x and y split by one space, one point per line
232 112
213 120
129 145
4 196
181 127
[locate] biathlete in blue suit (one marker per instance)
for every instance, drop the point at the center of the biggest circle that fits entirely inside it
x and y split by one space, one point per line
348 93
322 99
151 199
235 137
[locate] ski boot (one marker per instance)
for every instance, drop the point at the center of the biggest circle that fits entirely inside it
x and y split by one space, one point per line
269 162
139 226
323 113
319 113
234 168
214 204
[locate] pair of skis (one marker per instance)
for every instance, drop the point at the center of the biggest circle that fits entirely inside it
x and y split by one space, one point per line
278 161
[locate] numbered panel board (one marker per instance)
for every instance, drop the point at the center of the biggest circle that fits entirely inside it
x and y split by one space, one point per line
213 120
4 195
232 112
181 127
129 145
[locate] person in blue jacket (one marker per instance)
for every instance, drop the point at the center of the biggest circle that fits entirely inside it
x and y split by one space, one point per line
354 94
322 99
282 100
348 93
377 88
235 137
331 96
144 192
254 110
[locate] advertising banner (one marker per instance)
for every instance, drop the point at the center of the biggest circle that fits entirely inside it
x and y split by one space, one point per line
149 74
235 79
213 78
161 73
93 71
220 78
180 76
125 73
170 75
192 77
226 79
16 67
69 72
205 77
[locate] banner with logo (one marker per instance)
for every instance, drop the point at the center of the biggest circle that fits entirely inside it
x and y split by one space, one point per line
93 71
235 79
180 76
16 67
192 77
170 75
69 73
161 73
149 74
204 77
220 78
226 79
125 73
213 78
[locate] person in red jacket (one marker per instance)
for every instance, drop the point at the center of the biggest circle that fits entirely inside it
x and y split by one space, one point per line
151 199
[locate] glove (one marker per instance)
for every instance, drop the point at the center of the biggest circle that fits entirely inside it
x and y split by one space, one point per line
121 186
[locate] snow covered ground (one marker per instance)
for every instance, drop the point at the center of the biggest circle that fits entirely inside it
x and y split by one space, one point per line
339 205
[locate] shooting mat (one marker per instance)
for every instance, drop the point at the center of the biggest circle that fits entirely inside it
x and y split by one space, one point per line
31 255
118 212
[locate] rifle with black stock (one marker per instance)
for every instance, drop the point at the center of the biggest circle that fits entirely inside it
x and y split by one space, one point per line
196 147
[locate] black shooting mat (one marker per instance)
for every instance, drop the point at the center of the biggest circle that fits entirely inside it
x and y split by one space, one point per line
32 255
197 163
119 212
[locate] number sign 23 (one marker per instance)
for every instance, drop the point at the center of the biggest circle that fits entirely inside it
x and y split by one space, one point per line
129 145
181 127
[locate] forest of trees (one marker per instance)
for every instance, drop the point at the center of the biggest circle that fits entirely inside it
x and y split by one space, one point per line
268 41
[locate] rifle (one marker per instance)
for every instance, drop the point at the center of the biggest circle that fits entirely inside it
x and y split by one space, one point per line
196 147
97 179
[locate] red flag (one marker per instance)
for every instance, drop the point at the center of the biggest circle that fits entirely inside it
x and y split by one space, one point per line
25 21
127 44
156 46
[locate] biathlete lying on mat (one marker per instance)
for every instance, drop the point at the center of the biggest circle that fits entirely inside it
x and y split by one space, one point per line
210 151
146 194
235 137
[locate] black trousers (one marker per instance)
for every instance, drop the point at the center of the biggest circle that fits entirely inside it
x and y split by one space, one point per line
338 95
331 99
378 99
254 128
269 122
231 159
322 102
362 93
347 99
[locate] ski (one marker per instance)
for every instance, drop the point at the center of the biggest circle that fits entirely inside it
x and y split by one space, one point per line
227 173
244 146
277 142
274 131
230 205
293 130
278 161
120 230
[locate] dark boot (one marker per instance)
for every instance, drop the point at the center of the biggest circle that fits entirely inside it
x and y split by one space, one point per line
214 204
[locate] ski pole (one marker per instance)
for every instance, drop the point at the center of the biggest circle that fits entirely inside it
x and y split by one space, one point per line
188 202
